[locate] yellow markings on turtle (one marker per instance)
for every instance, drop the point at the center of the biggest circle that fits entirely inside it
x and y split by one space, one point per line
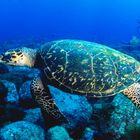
85 61
92 85
75 80
70 79
89 79
119 83
70 74
126 75
115 68
17 57
82 79
109 90
138 69
61 68
130 61
53 74
122 78
134 79
92 70
85 71
49 56
62 50
106 74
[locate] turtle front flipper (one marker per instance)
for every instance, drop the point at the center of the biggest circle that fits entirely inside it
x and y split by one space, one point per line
133 93
50 111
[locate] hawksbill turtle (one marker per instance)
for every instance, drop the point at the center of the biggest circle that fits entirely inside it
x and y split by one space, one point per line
79 67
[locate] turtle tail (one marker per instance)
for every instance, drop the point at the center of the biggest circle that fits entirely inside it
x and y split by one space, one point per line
133 93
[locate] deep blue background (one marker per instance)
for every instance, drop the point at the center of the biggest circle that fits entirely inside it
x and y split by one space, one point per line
109 21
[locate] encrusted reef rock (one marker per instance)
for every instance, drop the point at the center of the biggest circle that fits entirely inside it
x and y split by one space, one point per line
25 96
3 69
75 108
22 130
58 133
34 116
10 113
125 114
24 91
12 94
30 73
88 134
113 119
3 93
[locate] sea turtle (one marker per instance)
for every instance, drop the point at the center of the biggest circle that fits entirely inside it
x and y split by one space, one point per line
78 67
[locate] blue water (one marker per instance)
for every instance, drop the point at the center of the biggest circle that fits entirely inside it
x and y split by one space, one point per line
104 21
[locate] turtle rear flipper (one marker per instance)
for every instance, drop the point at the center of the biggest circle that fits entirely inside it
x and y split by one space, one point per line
50 111
133 93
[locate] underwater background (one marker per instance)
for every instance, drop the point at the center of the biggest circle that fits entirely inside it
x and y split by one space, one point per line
30 23
95 20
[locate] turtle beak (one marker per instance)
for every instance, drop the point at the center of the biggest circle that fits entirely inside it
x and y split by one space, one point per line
1 57
4 58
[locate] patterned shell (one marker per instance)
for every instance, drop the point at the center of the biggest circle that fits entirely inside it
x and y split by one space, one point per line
88 68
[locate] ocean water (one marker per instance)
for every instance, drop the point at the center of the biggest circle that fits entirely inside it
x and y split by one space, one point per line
93 20
31 23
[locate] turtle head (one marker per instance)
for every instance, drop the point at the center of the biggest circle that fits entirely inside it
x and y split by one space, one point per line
19 57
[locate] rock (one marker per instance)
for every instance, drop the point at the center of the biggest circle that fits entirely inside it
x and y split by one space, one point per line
25 97
58 133
76 108
132 132
88 134
19 75
106 136
22 130
34 116
3 93
15 77
125 113
113 119
10 113
100 103
3 68
24 92
12 95
29 72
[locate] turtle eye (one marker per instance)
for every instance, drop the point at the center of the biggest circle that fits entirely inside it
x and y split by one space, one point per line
13 56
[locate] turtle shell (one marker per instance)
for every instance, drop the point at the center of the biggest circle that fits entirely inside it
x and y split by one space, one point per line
87 68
